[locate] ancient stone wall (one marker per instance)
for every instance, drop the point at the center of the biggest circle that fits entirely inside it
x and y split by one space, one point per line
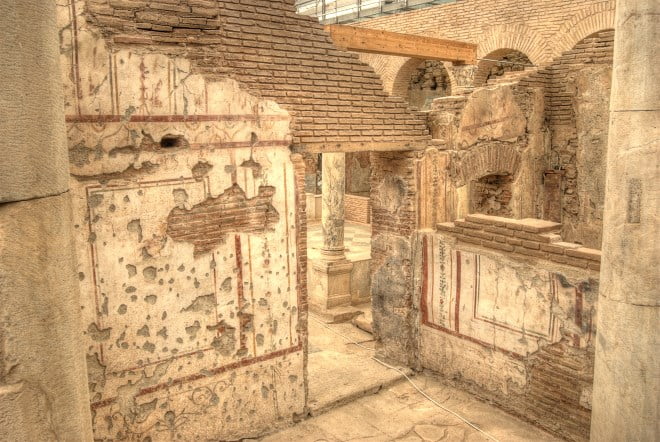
336 101
507 310
394 205
189 215
358 170
577 95
494 135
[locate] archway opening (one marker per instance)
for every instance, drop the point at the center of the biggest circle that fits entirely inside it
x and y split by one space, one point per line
429 81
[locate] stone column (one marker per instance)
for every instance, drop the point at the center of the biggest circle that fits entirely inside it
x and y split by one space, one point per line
332 272
332 212
43 378
627 369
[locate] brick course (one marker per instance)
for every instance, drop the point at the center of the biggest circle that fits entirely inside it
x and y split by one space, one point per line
357 208
528 237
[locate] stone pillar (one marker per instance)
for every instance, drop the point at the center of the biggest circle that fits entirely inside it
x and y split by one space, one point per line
43 378
333 271
627 371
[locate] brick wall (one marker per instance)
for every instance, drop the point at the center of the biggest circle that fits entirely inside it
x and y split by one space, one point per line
337 102
357 209
581 202
393 199
540 29
207 224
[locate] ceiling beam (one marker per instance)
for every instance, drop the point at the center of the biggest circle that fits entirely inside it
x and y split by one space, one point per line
375 41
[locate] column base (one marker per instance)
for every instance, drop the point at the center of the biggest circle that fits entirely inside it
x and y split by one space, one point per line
330 283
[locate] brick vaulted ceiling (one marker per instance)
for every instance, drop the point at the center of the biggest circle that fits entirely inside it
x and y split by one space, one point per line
337 102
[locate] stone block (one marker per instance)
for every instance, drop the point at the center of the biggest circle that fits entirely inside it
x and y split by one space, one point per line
534 225
469 239
498 246
332 283
487 219
583 252
43 379
448 227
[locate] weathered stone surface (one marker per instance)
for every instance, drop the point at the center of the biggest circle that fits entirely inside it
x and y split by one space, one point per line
43 394
493 114
191 237
34 162
627 373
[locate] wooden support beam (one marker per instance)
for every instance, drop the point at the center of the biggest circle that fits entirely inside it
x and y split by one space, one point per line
374 41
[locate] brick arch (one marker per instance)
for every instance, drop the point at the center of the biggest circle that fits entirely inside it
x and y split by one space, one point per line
385 66
518 37
401 81
484 66
488 160
588 21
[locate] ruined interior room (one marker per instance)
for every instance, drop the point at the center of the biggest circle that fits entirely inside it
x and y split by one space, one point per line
329 220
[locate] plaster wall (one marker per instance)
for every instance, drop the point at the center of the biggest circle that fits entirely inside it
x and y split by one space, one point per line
516 330
190 235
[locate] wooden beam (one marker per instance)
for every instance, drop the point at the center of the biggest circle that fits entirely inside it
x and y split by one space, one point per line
374 41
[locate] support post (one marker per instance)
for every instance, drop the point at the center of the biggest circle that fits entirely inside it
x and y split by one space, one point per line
43 376
627 372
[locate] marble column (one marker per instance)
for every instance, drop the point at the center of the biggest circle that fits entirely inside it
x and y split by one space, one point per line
627 368
332 271
332 212
43 377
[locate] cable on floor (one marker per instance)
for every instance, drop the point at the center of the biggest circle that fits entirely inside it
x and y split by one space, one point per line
429 398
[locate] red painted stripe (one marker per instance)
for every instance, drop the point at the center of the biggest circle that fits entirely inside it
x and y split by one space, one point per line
208 373
239 289
425 276
476 341
457 306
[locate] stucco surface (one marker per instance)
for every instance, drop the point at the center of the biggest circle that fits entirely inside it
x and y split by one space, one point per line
42 371
34 163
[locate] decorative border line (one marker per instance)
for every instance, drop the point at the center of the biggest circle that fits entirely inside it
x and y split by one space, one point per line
106 118
424 308
209 373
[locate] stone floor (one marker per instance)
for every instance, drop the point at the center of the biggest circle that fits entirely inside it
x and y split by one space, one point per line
353 398
400 413
357 240
339 371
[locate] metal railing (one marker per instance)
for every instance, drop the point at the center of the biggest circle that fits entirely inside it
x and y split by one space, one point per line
346 11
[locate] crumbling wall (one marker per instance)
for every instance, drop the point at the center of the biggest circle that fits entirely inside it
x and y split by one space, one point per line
430 80
335 99
577 109
394 204
507 310
488 157
190 235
